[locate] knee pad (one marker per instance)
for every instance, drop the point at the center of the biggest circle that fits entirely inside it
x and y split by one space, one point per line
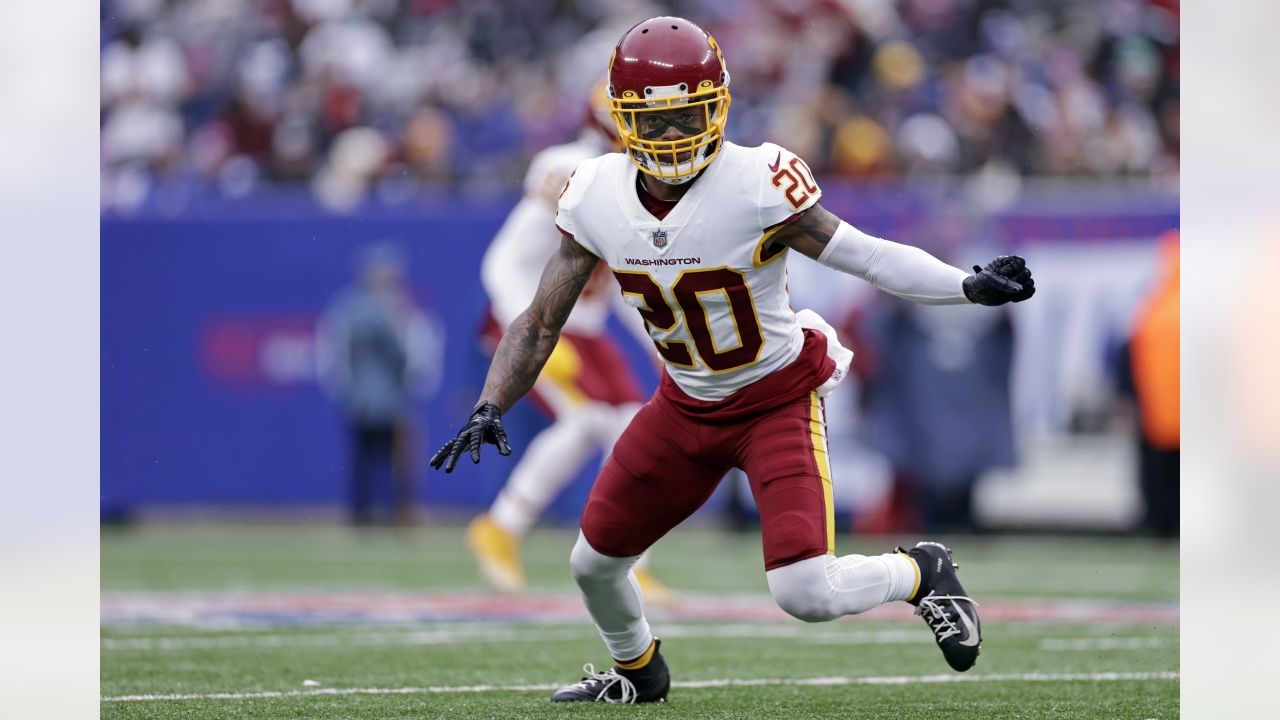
590 567
801 589
795 535
618 530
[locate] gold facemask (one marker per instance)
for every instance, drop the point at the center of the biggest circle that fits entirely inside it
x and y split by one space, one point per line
699 116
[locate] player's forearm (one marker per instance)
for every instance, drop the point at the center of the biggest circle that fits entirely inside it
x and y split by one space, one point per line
901 270
523 351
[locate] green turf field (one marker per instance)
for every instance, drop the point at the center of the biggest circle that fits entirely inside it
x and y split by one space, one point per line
220 621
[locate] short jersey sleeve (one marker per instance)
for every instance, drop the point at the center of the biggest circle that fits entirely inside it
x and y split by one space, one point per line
786 185
570 207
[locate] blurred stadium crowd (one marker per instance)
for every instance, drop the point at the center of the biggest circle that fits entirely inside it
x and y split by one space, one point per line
401 97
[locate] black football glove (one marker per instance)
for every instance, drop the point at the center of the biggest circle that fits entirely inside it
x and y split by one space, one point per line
485 426
1003 280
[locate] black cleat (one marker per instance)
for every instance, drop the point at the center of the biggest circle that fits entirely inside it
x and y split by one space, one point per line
615 685
941 601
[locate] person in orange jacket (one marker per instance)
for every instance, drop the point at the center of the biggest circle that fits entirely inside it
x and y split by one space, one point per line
1155 364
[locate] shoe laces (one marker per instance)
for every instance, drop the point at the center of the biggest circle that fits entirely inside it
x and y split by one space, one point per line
936 615
605 680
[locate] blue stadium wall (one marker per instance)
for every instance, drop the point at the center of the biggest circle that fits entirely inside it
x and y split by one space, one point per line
208 390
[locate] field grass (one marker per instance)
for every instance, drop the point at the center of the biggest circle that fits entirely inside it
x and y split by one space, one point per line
223 621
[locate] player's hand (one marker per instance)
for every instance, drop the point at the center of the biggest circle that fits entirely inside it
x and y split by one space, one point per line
485 426
1005 279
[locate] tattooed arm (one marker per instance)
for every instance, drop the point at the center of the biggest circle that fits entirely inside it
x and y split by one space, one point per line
809 233
528 342
902 270
524 349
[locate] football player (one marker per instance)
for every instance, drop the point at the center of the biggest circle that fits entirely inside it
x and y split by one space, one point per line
585 385
696 230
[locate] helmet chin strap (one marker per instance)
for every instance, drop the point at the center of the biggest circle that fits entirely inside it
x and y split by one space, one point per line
675 180
698 155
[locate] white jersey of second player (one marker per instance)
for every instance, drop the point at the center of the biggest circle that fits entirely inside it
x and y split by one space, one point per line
714 299
514 260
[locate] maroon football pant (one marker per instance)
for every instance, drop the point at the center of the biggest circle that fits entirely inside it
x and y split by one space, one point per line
666 465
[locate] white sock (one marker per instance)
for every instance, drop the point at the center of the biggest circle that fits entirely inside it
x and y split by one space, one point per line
827 587
903 577
552 461
906 576
613 599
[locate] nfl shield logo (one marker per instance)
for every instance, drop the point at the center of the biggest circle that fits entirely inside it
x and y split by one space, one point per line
659 238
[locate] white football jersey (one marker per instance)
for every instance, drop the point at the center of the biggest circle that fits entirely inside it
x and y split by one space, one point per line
714 302
514 259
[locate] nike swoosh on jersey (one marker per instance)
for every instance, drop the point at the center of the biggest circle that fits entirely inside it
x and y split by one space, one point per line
776 162
970 629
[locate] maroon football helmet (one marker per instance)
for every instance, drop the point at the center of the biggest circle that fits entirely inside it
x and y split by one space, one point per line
668 74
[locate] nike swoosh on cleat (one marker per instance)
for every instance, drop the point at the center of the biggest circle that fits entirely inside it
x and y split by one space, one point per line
970 629
777 162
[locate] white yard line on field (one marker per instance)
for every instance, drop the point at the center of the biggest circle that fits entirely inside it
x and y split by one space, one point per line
523 632
472 634
694 684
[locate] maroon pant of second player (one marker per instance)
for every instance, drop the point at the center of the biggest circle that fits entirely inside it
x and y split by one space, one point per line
676 449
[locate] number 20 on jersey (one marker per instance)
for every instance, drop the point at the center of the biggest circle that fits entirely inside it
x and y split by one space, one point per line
688 291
